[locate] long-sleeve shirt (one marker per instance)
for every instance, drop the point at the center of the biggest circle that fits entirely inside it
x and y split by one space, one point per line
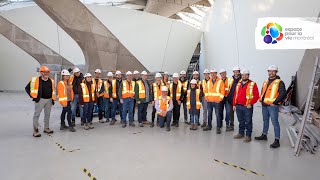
157 106
242 94
282 92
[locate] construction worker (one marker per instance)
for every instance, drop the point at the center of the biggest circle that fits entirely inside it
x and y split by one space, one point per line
214 94
165 79
273 94
204 82
194 103
115 100
164 106
177 95
126 95
87 99
236 78
41 90
99 93
246 95
75 81
156 92
107 94
185 83
224 103
135 78
65 95
143 96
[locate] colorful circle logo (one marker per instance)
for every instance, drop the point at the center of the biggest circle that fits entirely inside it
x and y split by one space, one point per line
272 33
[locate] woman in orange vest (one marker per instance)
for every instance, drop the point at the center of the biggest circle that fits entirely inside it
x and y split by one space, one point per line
66 95
194 104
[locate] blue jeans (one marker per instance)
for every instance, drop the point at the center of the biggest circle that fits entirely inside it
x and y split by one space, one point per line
245 119
225 104
115 104
74 105
87 112
66 110
142 112
107 111
194 119
273 112
216 107
127 106
166 119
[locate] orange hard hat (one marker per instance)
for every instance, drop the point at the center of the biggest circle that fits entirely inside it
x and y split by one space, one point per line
44 69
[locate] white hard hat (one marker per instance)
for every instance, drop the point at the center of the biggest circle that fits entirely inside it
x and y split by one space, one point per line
222 70
195 72
75 70
118 72
183 72
245 71
206 71
236 68
273 68
144 73
110 74
213 70
193 81
175 75
164 88
87 75
97 71
158 75
65 72
129 73
135 72
166 73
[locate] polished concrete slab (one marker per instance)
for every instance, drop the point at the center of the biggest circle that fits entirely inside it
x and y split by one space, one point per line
112 153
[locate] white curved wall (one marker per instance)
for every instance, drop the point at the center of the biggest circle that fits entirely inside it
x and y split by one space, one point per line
229 38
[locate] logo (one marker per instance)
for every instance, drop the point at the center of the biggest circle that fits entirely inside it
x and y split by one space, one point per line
272 33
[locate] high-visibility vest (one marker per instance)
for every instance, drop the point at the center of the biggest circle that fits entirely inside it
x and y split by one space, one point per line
249 92
127 90
34 88
271 92
98 86
163 104
142 90
86 93
214 92
198 102
185 86
227 85
63 93
106 89
71 79
165 83
114 88
198 84
156 90
178 91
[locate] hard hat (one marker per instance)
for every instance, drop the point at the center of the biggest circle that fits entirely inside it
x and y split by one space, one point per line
195 72
65 72
222 70
97 71
144 73
164 88
75 70
213 70
206 71
166 73
87 75
183 72
273 68
245 71
110 74
135 72
236 68
118 72
129 73
44 69
193 81
158 75
175 75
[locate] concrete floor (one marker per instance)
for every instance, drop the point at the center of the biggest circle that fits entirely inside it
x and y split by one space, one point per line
113 153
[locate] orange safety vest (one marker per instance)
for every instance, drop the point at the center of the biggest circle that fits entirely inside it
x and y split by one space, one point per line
63 94
271 92
156 90
185 86
227 85
106 89
178 91
127 90
85 92
163 104
214 92
142 90
198 102
249 92
34 88
98 86
198 84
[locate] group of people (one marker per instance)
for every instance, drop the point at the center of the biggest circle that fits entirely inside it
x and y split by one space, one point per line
234 94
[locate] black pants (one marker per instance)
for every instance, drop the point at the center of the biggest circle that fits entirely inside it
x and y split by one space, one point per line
100 104
154 111
142 112
66 110
176 112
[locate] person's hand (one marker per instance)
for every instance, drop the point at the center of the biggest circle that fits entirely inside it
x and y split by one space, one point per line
234 108
82 105
152 103
111 99
249 106
139 102
121 101
271 104
179 102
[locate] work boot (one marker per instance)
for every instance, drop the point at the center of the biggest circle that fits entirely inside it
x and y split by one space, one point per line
191 127
141 124
107 120
86 127
207 128
177 124
173 124
82 123
113 121
132 124
218 131
36 133
262 137
168 128
63 127
146 122
238 136
204 124
195 127
187 122
124 125
89 125
48 131
101 121
72 129
229 128
247 139
151 125
198 124
275 144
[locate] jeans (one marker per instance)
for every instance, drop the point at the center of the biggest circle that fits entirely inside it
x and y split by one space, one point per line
66 110
205 110
273 113
127 106
245 120
74 105
107 111
142 112
166 119
87 112
115 103
194 119
45 104
216 107
225 103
